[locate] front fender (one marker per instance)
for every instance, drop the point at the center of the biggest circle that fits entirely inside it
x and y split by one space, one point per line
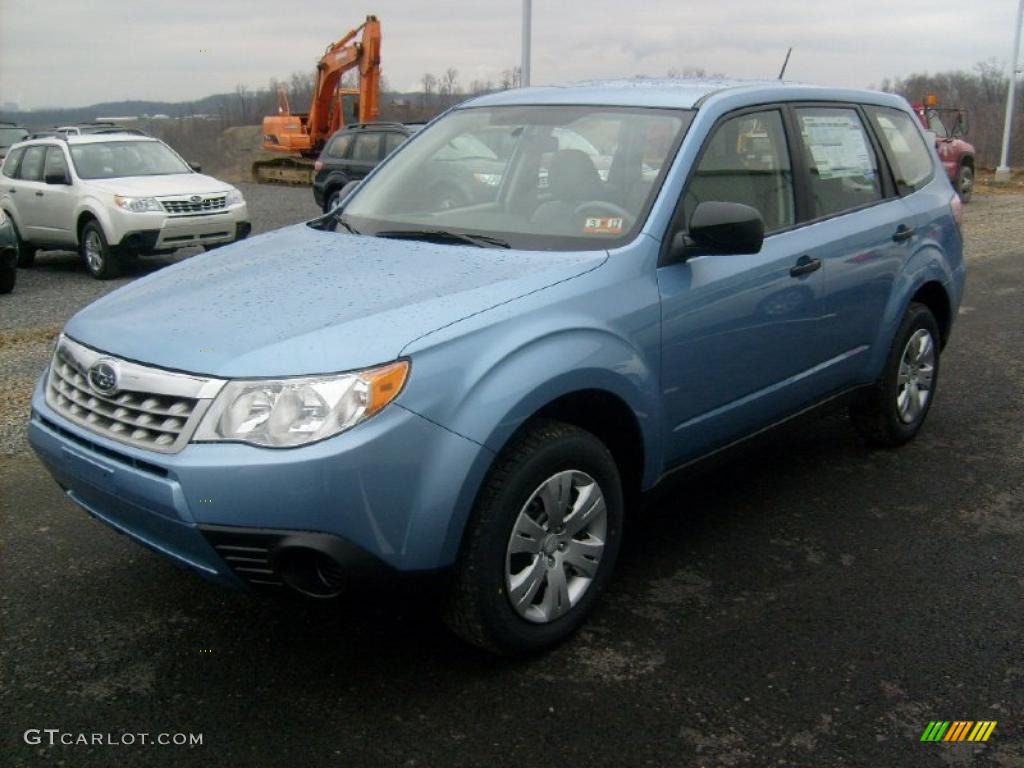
98 211
490 397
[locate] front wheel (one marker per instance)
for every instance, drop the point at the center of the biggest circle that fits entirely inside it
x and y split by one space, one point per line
965 183
542 542
99 257
893 410
26 252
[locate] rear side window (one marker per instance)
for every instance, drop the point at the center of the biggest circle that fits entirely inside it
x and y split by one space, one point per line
905 146
393 141
746 161
32 166
367 148
339 146
842 164
11 161
55 164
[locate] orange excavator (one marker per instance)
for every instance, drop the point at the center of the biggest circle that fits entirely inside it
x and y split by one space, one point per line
303 135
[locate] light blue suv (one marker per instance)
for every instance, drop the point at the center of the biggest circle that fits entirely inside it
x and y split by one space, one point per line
649 272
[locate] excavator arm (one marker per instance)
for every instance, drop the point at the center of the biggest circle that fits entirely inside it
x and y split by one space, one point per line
304 135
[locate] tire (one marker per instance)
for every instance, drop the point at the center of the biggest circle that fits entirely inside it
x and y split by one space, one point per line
100 259
888 414
26 252
332 200
546 455
965 183
8 276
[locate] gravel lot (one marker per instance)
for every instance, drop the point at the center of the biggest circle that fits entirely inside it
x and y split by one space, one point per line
813 603
59 285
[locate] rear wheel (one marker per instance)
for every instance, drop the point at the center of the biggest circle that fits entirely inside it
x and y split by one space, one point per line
965 183
542 542
892 411
26 252
99 257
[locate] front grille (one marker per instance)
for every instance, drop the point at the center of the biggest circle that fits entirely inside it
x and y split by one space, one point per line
187 205
150 408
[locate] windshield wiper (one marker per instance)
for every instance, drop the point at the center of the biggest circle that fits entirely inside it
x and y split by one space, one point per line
444 236
338 217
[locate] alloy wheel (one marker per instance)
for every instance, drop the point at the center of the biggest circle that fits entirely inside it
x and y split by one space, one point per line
916 374
556 546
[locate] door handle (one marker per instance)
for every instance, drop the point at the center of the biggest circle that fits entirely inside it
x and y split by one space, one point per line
39 194
903 233
804 266
12 191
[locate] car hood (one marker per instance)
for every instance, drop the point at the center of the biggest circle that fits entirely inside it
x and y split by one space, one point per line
157 186
302 301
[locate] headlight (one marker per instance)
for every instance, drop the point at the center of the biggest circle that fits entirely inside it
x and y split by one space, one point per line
138 204
490 179
3 216
234 198
282 413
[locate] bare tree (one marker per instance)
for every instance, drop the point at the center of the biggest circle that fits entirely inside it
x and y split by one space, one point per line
429 86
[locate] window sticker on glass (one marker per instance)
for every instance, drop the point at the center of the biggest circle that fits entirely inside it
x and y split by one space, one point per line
837 145
598 225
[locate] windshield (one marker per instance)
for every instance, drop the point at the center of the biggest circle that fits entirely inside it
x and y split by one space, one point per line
10 136
114 159
547 178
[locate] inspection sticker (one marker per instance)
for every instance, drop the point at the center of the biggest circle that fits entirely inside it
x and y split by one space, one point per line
596 225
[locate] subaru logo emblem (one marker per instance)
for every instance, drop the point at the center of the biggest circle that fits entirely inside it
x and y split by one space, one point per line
103 378
195 199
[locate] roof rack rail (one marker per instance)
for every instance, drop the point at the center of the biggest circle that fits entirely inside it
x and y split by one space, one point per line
46 135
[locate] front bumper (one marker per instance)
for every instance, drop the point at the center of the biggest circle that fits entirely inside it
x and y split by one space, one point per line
394 491
159 231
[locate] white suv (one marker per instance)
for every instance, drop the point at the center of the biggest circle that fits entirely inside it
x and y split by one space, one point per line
112 196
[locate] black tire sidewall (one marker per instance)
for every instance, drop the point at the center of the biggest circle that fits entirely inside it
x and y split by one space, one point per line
580 451
917 316
332 200
26 252
8 277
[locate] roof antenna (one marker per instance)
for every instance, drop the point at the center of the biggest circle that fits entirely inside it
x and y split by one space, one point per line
785 64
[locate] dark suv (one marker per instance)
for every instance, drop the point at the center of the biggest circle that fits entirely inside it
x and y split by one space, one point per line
353 152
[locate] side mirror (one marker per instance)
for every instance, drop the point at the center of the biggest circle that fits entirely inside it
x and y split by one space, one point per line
718 228
57 178
962 125
349 188
196 167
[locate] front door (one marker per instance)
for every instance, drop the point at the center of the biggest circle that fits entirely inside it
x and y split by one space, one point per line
740 332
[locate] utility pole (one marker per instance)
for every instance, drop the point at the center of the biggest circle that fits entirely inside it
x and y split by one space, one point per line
1003 171
524 74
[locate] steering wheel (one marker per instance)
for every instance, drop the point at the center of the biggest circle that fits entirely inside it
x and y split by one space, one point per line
604 207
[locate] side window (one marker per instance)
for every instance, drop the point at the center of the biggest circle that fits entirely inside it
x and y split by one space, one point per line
393 141
367 147
339 146
55 164
32 164
905 146
11 161
842 164
746 161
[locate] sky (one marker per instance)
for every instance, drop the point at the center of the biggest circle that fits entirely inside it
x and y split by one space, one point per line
81 52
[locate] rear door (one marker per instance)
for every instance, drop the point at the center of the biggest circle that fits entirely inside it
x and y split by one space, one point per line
858 226
367 151
28 188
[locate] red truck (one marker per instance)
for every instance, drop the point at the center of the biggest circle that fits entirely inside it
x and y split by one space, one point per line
950 125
